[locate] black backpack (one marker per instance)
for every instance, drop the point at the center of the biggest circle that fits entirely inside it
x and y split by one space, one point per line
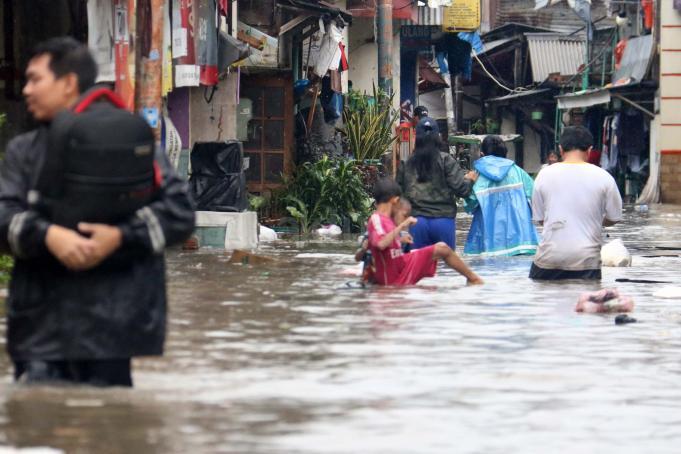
99 166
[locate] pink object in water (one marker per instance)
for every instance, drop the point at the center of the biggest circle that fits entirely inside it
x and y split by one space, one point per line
606 300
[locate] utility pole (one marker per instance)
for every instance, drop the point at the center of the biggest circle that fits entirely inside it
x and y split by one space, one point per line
458 102
148 55
449 105
385 45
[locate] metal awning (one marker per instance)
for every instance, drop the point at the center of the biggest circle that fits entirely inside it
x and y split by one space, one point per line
475 139
491 45
635 60
554 53
584 98
522 94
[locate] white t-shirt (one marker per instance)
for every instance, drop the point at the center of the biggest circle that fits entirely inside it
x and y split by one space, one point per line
572 200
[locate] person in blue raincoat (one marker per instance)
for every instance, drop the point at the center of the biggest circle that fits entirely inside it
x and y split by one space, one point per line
502 217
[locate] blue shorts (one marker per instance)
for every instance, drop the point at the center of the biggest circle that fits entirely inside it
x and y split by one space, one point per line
428 231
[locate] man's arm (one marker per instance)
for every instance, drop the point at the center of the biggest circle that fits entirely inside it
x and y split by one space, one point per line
613 204
538 202
168 220
22 231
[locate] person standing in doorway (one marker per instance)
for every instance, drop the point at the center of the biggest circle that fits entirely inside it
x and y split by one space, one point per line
432 180
573 200
72 315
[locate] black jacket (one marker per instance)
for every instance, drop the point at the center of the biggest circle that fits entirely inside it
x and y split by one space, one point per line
435 198
116 310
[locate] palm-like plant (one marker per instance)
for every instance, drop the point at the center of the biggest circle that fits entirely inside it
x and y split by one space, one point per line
369 125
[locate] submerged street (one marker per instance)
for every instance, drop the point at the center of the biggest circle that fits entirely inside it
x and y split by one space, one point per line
282 358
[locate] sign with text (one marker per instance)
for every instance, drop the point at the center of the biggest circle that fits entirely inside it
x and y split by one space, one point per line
461 16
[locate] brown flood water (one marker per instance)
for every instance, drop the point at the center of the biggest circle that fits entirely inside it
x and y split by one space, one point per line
282 359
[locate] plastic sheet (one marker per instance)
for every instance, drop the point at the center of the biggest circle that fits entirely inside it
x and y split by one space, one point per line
217 182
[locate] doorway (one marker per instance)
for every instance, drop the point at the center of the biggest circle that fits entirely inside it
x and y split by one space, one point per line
265 126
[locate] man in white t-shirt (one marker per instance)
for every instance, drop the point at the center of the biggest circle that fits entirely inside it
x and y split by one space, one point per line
573 200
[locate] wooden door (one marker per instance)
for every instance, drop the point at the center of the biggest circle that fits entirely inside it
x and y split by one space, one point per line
265 126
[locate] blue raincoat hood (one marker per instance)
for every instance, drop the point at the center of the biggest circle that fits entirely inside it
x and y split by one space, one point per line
494 167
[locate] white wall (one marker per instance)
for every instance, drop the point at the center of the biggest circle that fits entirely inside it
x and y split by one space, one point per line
435 102
532 144
222 109
363 57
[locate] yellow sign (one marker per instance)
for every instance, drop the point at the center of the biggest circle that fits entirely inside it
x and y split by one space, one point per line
462 16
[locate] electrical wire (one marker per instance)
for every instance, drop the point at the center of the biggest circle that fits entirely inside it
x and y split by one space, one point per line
484 68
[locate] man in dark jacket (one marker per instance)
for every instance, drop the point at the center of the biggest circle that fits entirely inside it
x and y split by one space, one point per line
81 303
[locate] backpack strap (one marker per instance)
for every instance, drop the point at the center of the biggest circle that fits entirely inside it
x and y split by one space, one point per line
96 94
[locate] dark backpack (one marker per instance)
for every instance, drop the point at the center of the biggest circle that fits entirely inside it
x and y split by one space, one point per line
99 165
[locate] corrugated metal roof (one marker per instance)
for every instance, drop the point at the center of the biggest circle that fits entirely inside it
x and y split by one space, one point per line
430 16
554 53
559 18
636 59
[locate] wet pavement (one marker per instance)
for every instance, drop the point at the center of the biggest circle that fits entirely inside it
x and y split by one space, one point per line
282 358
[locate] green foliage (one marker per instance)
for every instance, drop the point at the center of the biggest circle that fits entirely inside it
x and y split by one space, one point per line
326 191
3 118
369 124
6 265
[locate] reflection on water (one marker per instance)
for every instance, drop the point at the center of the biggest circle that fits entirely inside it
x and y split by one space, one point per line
282 358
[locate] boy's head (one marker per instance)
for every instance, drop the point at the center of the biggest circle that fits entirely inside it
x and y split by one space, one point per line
59 71
493 146
552 158
576 138
386 190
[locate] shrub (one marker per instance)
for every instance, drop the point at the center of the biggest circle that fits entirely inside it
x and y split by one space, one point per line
327 191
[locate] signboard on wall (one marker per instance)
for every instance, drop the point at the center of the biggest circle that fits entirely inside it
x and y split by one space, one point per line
461 16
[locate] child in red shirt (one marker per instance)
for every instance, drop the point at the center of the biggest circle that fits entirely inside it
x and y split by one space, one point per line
392 265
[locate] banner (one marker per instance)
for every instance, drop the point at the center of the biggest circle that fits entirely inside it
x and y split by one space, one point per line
461 16
100 38
167 54
125 56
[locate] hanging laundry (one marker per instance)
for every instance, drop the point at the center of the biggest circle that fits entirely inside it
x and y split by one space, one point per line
100 15
207 41
311 50
330 52
344 66
224 7
630 134
473 38
619 52
648 7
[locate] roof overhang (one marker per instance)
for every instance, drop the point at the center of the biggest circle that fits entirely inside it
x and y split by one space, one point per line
523 95
316 7
584 98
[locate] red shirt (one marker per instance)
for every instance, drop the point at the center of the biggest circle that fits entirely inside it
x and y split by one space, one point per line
389 262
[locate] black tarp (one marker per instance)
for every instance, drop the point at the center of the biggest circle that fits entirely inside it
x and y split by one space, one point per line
217 181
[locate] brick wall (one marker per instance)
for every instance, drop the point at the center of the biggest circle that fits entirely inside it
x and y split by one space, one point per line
670 178
670 102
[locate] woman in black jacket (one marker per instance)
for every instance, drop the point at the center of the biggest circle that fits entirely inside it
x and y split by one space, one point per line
432 180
